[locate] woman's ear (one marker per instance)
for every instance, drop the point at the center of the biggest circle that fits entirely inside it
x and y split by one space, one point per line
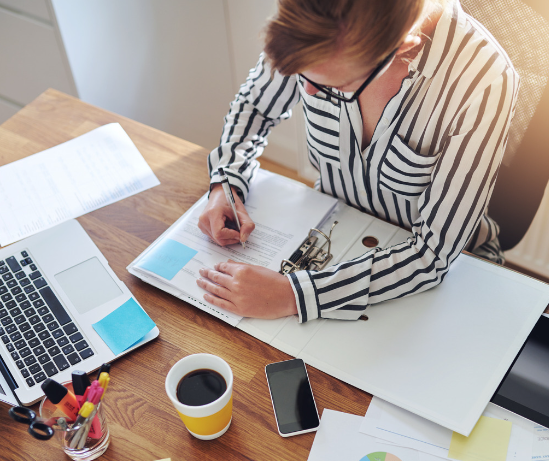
410 42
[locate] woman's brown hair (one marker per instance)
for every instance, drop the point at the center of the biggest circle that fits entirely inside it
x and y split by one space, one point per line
304 33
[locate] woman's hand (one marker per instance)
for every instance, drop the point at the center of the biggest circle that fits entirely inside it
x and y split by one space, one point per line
218 216
248 290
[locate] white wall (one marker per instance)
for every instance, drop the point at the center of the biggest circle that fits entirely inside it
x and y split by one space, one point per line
172 64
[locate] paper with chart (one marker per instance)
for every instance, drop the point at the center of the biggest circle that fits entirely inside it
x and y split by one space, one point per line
69 180
281 226
498 429
338 438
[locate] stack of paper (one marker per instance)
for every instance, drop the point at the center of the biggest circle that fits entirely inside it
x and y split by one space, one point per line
69 180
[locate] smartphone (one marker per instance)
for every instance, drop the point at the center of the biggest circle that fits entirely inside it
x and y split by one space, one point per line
293 402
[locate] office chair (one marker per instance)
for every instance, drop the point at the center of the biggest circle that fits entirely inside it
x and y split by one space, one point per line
522 28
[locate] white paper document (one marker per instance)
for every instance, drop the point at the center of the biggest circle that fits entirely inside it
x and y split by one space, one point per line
6 395
280 227
69 180
338 438
392 424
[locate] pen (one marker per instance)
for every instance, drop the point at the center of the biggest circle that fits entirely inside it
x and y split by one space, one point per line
230 198
80 382
61 397
105 368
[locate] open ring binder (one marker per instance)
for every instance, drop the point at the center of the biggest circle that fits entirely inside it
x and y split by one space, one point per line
309 256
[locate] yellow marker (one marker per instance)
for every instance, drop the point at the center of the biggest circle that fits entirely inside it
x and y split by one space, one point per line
488 441
104 380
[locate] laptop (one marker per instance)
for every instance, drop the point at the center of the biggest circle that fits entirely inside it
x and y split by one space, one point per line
53 287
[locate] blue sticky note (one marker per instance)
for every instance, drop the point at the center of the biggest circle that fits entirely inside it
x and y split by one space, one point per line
167 258
124 327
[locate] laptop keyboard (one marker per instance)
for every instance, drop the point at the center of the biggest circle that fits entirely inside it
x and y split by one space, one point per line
34 326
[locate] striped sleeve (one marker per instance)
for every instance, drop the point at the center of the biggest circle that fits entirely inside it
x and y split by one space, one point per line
262 102
450 209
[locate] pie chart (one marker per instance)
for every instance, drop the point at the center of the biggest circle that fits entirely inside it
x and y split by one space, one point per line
380 456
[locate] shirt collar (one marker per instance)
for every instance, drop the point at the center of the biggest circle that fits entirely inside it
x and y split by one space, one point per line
435 50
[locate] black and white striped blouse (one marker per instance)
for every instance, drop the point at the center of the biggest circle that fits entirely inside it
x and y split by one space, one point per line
430 167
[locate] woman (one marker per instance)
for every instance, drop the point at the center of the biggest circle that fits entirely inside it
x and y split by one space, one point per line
407 106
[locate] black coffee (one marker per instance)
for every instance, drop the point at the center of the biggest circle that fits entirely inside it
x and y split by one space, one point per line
200 387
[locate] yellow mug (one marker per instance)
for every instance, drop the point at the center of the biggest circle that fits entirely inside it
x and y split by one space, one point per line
207 421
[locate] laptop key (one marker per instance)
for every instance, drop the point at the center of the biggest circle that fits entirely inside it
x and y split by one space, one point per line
61 362
44 335
24 254
44 358
39 327
76 337
7 297
55 306
25 305
16 290
19 319
63 341
40 377
30 382
49 343
86 353
38 303
20 275
11 328
20 298
70 328
25 352
34 342
15 355
35 275
53 351
20 364
6 321
25 373
30 360
10 347
33 267
5 339
52 326
12 283
57 333
2 332
3 313
15 312
81 345
3 290
15 336
23 262
20 344
34 319
43 310
73 358
7 276
48 318
50 369
29 312
68 349
29 335
28 260
11 304
28 288
25 326
39 283
38 351
34 296
14 265
4 269
35 369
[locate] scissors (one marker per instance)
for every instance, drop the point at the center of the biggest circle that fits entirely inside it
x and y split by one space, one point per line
37 428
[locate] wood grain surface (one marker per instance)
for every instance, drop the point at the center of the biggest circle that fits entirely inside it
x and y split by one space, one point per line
142 421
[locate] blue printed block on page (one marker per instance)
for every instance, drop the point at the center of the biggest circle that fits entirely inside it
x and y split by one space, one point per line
167 258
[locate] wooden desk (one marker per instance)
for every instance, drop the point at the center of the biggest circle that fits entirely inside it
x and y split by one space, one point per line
142 421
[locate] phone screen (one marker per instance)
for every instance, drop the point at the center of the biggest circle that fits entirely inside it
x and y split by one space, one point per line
292 396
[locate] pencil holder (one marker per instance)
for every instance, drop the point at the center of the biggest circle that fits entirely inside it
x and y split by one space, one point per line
77 442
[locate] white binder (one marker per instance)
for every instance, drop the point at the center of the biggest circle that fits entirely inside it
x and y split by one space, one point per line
440 354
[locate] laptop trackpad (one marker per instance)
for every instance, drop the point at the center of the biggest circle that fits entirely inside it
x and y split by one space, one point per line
88 285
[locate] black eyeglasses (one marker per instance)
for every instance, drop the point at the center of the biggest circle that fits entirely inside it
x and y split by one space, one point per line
356 94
